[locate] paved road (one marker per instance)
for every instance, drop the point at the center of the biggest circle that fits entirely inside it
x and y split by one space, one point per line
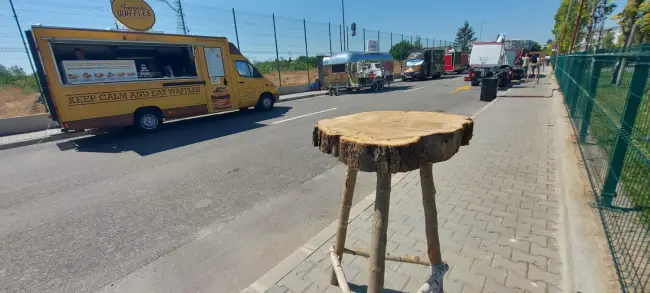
205 205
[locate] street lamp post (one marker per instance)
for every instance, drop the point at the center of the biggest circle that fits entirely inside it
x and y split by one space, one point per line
480 35
344 35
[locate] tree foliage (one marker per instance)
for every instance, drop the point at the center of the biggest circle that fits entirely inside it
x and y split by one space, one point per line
302 63
16 77
418 43
565 21
608 40
401 50
536 46
465 36
634 12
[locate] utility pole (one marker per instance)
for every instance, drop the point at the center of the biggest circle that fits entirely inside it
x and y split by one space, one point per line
577 27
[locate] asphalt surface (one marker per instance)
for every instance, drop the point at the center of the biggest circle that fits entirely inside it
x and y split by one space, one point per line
204 205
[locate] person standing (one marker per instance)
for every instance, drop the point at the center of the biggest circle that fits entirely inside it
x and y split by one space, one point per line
525 61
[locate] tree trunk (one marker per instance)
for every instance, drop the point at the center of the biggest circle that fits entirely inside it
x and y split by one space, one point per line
628 45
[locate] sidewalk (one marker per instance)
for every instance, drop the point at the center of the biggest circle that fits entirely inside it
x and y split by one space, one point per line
499 216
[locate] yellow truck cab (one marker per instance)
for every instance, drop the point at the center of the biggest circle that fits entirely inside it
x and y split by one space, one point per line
107 78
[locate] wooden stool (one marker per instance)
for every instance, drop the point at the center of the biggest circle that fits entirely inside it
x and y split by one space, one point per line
388 142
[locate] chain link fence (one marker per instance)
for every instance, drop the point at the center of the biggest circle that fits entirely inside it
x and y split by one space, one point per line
283 49
606 95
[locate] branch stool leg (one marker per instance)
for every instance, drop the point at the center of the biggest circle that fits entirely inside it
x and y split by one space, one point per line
438 268
344 216
379 231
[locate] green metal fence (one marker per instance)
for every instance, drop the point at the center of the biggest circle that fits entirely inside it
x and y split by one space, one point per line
606 95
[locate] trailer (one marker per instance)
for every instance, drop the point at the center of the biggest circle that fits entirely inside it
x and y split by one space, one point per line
348 71
488 60
456 62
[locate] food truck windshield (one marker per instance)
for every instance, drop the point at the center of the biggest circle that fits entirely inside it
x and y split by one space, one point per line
415 55
81 63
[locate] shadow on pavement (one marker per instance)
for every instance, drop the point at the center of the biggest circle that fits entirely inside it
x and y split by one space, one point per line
364 288
174 134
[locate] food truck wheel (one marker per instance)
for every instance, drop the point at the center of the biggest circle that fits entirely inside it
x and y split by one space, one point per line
381 85
375 86
265 103
475 83
148 119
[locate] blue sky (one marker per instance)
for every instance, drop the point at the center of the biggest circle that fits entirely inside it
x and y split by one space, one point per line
434 20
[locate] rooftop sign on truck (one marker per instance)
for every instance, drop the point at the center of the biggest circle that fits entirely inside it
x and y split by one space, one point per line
134 14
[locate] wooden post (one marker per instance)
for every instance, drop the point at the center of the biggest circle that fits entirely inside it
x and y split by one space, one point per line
438 268
338 271
379 231
344 215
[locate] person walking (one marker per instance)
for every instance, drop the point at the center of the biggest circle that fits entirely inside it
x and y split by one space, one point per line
525 61
534 59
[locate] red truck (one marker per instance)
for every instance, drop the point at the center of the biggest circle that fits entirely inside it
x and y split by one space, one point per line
456 62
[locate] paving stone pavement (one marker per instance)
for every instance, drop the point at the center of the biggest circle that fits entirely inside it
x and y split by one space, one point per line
498 212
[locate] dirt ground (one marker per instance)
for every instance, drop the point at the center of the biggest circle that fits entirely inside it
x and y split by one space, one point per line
14 102
292 77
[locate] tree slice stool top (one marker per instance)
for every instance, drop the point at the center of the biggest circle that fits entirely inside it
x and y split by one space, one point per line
392 141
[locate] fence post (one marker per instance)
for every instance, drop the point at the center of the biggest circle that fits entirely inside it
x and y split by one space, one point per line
329 29
591 99
277 53
234 19
304 27
364 38
634 97
578 73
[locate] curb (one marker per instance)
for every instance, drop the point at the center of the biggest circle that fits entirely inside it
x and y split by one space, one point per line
284 267
315 94
62 136
54 137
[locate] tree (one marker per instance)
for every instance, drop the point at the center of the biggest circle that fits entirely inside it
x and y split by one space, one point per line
536 46
565 20
608 40
465 36
549 42
633 11
401 50
418 43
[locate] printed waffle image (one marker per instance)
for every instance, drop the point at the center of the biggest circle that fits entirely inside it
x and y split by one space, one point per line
220 98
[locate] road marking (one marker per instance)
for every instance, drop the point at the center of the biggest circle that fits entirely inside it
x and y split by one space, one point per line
462 88
415 89
301 116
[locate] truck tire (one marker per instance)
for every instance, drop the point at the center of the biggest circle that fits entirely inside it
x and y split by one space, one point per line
147 119
265 103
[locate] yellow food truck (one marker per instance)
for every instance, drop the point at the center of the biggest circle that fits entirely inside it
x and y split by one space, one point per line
107 78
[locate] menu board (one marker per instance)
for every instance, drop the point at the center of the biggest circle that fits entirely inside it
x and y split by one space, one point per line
90 71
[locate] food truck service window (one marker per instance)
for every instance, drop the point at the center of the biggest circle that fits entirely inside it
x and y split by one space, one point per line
101 63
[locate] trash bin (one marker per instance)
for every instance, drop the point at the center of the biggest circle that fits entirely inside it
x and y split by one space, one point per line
489 89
